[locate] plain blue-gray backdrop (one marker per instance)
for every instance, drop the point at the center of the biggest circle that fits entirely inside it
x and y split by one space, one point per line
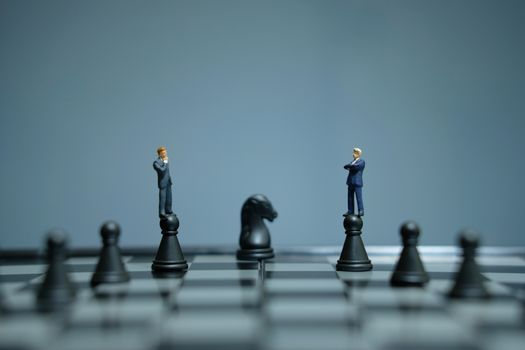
262 97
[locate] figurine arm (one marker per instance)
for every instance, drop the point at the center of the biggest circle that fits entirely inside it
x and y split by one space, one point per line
347 167
358 166
160 166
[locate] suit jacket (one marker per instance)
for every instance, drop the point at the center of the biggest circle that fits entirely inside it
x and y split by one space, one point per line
355 173
163 173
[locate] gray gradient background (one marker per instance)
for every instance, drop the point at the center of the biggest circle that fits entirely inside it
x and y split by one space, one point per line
262 97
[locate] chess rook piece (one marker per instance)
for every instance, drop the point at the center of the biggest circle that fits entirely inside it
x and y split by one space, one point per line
469 282
56 291
409 270
353 256
255 240
110 267
169 255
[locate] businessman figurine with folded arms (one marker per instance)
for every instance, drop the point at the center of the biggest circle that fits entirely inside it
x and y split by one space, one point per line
355 183
164 182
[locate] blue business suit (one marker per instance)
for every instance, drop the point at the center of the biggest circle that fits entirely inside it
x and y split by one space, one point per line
355 185
164 183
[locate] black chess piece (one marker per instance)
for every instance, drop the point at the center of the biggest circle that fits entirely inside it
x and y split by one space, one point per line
409 270
110 267
2 304
469 282
255 240
353 256
169 256
56 291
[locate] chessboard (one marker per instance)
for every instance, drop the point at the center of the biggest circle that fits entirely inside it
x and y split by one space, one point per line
293 301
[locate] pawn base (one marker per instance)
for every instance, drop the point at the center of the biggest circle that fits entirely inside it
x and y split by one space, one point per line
169 266
408 280
99 278
469 293
255 254
59 302
353 266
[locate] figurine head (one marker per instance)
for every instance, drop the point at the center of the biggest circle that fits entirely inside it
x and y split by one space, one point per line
357 152
162 152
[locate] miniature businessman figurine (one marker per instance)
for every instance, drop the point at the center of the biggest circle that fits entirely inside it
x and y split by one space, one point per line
164 182
355 183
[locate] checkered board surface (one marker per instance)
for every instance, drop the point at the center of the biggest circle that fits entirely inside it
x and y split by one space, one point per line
292 302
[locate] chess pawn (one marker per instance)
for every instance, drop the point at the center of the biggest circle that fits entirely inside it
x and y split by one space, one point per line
2 305
353 256
56 291
2 308
169 255
110 267
409 270
469 280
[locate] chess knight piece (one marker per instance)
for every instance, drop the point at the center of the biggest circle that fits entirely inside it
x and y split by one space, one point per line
255 238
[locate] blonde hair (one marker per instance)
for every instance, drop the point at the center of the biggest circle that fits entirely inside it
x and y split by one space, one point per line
358 150
160 149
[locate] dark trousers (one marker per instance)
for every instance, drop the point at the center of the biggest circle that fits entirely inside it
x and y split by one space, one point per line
358 192
165 201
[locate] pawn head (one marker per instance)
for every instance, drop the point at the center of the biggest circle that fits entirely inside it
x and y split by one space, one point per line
169 223
353 223
468 239
409 232
110 232
56 242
